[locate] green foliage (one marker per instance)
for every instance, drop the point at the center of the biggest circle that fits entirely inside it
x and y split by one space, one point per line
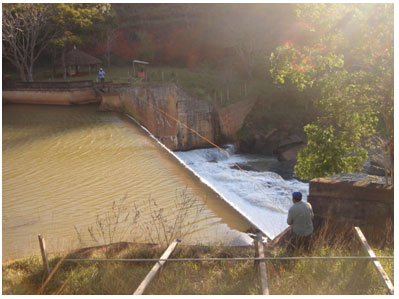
328 152
72 19
346 53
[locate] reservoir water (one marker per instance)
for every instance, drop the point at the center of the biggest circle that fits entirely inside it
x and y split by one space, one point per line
81 177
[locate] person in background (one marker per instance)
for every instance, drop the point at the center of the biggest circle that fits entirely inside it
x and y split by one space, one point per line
300 217
101 74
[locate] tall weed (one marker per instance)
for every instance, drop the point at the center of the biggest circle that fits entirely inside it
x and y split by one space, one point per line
124 222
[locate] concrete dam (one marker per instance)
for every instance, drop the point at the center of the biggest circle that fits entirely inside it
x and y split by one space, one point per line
171 114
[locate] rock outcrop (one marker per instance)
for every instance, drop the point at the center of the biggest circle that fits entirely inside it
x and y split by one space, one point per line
289 147
280 144
231 118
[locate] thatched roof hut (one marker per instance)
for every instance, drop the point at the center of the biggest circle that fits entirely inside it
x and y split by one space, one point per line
77 57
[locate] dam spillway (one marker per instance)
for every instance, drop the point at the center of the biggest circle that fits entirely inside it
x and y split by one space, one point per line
63 167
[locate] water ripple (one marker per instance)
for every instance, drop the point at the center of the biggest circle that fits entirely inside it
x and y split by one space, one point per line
64 166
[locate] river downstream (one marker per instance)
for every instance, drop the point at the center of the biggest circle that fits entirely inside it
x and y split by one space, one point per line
71 170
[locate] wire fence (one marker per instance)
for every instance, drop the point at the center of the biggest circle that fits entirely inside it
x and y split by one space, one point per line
259 261
235 259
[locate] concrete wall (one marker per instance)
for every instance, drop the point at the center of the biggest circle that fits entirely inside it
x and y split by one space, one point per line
355 203
47 85
54 93
145 103
52 97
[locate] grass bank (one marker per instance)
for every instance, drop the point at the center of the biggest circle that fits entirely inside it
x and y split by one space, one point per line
26 276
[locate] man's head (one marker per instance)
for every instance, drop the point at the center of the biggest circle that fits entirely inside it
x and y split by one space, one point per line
296 196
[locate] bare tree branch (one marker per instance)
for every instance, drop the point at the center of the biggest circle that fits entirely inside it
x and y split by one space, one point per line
26 33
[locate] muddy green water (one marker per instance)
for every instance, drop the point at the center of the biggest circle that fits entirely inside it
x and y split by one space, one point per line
69 170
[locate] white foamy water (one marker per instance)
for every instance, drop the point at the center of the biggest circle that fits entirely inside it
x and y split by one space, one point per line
262 197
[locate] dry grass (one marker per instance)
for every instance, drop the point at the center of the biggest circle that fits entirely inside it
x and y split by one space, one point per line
333 277
26 276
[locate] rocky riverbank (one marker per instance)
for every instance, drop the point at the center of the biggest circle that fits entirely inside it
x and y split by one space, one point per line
285 146
278 143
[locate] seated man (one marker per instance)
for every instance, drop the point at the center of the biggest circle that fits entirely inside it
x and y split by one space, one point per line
141 75
300 217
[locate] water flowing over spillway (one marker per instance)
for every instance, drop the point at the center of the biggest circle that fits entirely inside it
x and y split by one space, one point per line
262 197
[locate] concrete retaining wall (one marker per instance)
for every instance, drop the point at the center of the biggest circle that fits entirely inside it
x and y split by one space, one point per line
51 97
53 93
354 203
143 102
47 85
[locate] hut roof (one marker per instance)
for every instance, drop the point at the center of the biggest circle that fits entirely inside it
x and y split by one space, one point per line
77 57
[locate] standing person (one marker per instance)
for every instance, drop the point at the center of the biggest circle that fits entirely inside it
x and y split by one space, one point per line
300 217
101 74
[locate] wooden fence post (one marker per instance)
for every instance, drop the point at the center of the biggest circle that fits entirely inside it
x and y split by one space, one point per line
143 285
262 266
44 255
256 263
381 272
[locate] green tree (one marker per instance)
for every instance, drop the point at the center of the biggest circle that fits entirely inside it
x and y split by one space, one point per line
345 52
75 23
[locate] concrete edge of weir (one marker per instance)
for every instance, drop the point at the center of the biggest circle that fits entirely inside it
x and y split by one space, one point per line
198 176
